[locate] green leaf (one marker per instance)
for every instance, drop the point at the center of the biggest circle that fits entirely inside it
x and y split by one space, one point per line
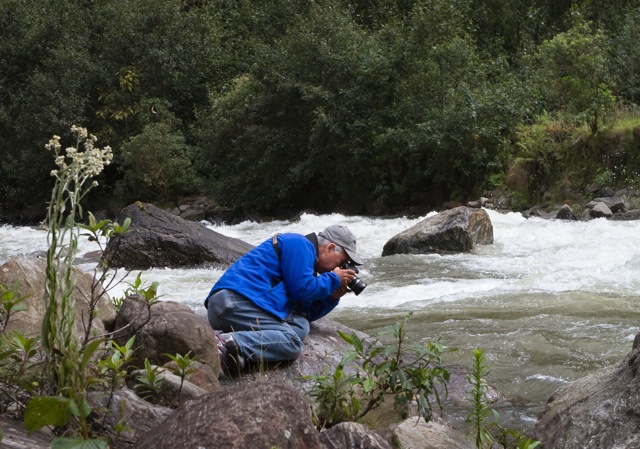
78 443
45 411
346 337
348 357
88 352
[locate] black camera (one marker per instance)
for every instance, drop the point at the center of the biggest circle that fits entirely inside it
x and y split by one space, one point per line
356 285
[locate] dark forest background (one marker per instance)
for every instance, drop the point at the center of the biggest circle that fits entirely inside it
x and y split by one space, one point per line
364 106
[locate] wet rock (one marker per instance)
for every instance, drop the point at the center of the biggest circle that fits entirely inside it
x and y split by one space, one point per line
456 230
157 238
599 411
565 213
626 216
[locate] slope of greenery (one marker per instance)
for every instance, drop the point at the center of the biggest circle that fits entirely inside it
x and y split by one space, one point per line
277 106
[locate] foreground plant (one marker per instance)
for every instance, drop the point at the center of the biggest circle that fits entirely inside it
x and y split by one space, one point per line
65 358
372 371
486 433
10 303
54 374
183 367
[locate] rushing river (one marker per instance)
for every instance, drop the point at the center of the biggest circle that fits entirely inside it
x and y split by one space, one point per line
548 302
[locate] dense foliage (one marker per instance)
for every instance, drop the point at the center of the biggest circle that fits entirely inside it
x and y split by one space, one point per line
274 106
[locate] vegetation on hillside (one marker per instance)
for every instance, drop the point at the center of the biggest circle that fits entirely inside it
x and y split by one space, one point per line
278 106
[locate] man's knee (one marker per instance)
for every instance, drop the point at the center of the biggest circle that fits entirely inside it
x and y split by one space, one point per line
296 346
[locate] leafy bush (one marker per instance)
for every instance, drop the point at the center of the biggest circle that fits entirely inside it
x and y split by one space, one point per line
373 371
156 165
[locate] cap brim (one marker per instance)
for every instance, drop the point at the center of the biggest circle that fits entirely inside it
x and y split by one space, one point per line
354 257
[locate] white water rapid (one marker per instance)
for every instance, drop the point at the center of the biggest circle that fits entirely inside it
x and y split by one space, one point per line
548 302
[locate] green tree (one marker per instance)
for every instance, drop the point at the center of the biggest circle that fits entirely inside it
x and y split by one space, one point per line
156 165
626 57
573 72
293 131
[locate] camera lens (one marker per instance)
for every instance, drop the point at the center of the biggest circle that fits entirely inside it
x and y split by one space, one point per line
357 285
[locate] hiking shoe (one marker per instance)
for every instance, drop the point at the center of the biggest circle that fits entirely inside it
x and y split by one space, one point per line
230 359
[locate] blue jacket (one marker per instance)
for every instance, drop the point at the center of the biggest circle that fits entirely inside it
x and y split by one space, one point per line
277 284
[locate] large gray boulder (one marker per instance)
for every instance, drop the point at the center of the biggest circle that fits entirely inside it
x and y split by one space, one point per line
456 230
29 273
253 416
166 328
125 406
599 411
157 238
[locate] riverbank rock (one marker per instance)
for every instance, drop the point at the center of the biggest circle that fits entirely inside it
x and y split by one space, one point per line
260 415
157 238
599 411
428 435
352 435
125 406
29 272
456 230
166 328
174 328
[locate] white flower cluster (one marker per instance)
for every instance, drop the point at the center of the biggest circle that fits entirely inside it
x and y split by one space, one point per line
79 165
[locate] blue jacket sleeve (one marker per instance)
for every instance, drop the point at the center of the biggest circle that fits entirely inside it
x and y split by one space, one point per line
298 257
318 309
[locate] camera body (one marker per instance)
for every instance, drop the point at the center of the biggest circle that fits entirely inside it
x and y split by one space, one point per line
356 285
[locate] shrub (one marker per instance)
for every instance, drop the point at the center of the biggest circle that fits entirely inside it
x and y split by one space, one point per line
403 370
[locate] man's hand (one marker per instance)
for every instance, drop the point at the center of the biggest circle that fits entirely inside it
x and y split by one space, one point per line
342 290
345 276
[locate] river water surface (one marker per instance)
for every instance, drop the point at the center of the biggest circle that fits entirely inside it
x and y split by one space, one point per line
548 302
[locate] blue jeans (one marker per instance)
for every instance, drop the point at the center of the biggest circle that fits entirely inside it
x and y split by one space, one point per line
260 336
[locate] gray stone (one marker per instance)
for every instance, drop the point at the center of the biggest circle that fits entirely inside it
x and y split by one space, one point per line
599 411
30 272
456 230
172 328
615 203
565 213
626 216
351 435
256 416
413 434
600 210
16 437
173 391
139 415
157 238
193 214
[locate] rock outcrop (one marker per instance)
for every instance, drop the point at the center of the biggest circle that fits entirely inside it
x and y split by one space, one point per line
257 416
352 435
599 411
157 238
29 274
169 328
456 230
